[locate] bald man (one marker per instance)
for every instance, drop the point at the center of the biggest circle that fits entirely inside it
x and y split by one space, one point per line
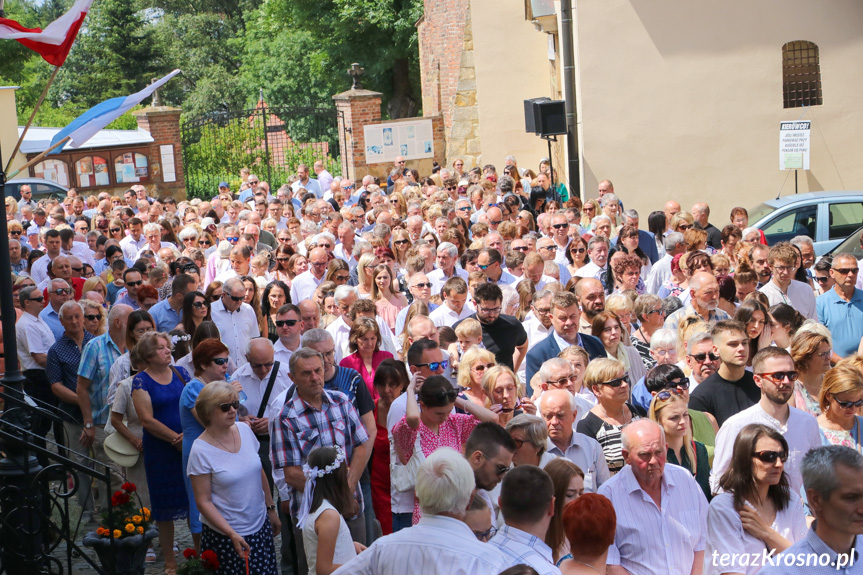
701 213
671 208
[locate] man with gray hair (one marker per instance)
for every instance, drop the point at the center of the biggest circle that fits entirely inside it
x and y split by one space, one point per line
421 289
447 258
235 319
644 543
35 338
441 543
661 270
833 479
58 292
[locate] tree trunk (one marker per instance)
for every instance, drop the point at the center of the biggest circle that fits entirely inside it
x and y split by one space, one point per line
402 104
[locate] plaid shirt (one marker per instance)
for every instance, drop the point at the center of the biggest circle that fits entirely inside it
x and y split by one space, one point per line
301 428
97 358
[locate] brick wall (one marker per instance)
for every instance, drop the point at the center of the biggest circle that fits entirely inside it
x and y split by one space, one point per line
163 123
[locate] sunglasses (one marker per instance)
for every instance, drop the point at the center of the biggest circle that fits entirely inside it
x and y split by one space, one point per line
849 404
423 285
483 367
15 233
62 291
236 297
560 382
39 299
778 376
286 322
433 366
577 250
617 382
93 317
451 188
78 269
822 280
520 249
198 304
700 357
220 361
400 242
133 284
464 209
115 230
215 297
560 226
485 267
770 456
233 239
681 383
226 407
846 271
665 395
511 409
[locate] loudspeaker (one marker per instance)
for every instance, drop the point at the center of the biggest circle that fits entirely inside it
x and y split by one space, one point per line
550 118
531 113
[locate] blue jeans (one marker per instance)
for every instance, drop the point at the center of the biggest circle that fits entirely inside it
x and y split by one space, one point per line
402 521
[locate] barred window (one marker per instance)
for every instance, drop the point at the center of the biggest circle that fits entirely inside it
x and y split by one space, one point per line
801 75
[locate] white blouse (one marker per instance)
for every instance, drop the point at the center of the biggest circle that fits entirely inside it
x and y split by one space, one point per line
736 551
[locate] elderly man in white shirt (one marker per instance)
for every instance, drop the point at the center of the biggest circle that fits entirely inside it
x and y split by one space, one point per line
661 511
305 284
255 376
447 255
661 270
773 370
441 543
235 319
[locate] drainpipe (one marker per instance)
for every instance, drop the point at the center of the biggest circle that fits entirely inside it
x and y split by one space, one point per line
566 48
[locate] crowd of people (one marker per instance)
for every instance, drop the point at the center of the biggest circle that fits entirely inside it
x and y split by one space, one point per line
472 371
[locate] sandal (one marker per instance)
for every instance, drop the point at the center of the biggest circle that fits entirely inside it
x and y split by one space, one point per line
151 556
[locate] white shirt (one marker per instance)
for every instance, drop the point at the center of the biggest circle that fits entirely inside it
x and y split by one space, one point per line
800 431
438 278
254 388
800 296
340 332
507 278
522 548
304 286
655 541
659 274
589 270
281 353
536 332
34 336
130 246
445 315
560 253
586 452
726 536
81 251
235 328
39 269
437 545
543 281
339 252
146 247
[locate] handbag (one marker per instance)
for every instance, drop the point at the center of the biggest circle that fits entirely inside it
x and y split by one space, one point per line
403 477
120 451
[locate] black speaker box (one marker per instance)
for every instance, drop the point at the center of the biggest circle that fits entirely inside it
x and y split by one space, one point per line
550 118
531 113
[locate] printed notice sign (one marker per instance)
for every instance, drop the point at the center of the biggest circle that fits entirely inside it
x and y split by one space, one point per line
412 139
794 144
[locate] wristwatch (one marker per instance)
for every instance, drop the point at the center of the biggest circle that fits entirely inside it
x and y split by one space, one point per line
271 507
88 426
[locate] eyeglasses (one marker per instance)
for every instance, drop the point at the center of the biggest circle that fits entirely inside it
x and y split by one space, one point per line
78 269
684 227
664 352
39 299
617 382
319 264
226 407
220 360
520 249
286 322
198 304
236 297
494 223
778 376
341 278
846 271
483 367
770 456
233 239
485 267
577 250
700 357
464 209
15 233
560 226
423 285
92 317
400 242
115 230
450 188
268 365
204 242
547 248
491 310
561 382
666 394
823 280
62 291
435 365
825 354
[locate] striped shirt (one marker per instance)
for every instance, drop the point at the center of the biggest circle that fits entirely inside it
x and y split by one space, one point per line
522 548
651 540
97 358
437 545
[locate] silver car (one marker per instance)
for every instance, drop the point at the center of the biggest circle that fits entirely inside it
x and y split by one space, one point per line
826 217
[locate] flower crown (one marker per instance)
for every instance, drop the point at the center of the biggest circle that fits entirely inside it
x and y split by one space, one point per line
177 338
315 473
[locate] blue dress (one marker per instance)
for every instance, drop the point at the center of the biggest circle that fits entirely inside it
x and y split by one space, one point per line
191 430
163 464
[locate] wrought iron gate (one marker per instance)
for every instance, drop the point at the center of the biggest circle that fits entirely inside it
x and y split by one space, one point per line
270 141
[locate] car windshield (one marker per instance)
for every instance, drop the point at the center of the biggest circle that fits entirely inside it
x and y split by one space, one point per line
759 212
850 245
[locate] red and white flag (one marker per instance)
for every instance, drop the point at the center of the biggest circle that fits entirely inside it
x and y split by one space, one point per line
54 42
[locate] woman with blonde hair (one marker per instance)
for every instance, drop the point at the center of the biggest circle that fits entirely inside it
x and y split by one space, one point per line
840 400
398 206
504 393
97 285
525 290
95 317
681 221
622 307
471 369
365 267
670 410
589 210
401 244
608 380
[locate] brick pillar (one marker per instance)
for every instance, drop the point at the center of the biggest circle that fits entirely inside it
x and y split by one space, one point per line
356 109
163 123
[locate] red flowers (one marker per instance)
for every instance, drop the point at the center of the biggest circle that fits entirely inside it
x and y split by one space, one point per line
210 560
189 553
128 487
119 498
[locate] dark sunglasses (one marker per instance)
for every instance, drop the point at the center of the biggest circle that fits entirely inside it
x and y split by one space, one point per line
448 396
822 280
849 404
560 226
115 230
423 285
665 395
770 456
617 382
233 239
846 271
215 298
226 407
681 383
577 250
236 297
286 322
700 357
520 249
220 361
778 376
15 233
92 317
133 284
400 242
62 291
39 299
204 242
433 366
198 304
78 269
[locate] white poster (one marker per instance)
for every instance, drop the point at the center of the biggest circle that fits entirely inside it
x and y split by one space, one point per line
413 139
794 145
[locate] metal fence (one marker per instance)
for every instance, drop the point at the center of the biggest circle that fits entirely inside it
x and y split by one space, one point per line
270 141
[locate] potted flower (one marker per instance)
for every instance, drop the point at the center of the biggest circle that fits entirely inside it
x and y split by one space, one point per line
203 565
124 534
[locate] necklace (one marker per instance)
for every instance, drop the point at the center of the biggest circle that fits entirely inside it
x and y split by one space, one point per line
587 565
223 445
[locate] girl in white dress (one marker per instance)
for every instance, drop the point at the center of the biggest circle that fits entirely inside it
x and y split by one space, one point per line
327 499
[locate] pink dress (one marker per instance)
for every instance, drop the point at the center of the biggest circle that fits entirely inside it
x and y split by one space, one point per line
452 433
388 312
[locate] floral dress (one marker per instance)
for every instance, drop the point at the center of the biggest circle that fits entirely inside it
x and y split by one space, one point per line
804 400
841 437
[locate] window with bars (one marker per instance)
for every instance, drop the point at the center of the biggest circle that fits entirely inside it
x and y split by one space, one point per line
801 75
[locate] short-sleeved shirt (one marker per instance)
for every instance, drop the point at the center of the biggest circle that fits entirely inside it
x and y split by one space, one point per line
843 318
300 428
351 383
165 317
501 337
33 336
722 398
97 358
63 360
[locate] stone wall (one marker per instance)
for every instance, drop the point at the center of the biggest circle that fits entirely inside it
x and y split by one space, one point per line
463 139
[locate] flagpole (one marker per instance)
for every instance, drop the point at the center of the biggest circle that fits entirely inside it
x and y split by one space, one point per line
39 157
32 115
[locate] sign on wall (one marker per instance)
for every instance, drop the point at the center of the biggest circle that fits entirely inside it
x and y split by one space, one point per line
794 144
412 139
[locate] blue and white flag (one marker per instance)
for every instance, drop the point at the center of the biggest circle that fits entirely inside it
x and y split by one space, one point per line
96 118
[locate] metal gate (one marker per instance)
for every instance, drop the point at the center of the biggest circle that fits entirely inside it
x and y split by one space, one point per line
270 141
